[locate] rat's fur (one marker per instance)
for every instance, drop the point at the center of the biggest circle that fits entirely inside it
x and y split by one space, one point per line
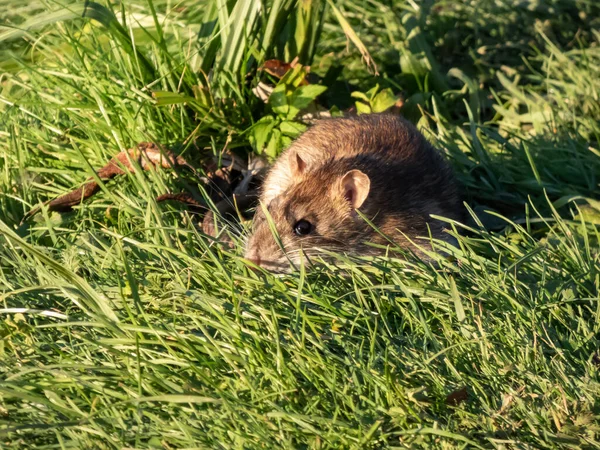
409 181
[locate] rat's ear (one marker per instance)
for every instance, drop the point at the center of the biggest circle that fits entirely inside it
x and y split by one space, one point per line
355 187
297 164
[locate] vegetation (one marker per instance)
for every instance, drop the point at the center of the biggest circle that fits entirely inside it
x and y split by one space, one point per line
124 326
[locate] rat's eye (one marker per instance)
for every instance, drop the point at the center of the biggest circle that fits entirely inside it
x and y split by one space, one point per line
302 227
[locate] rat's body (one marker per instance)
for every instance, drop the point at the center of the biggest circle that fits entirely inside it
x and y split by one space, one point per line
377 164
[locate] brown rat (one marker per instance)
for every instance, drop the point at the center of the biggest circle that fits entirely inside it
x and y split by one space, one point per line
378 164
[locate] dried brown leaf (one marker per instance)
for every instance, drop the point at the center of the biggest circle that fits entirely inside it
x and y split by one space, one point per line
148 155
278 68
182 197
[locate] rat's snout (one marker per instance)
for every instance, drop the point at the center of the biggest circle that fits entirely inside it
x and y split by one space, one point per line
262 250
257 248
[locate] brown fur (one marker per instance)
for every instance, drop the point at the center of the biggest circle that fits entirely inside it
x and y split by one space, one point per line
409 181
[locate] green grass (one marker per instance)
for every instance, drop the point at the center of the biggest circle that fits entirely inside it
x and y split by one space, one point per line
123 326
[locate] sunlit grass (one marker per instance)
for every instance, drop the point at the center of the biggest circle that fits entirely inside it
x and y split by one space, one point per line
123 326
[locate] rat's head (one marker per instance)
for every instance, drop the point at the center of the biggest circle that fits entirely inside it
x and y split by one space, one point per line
318 212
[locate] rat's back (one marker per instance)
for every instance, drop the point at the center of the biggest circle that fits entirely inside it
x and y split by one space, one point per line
387 138
377 164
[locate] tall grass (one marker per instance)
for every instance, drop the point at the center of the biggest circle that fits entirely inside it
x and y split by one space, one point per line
123 326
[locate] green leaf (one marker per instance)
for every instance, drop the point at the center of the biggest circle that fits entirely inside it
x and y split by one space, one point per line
371 92
291 129
278 99
261 132
285 142
360 95
274 146
302 97
383 101
362 108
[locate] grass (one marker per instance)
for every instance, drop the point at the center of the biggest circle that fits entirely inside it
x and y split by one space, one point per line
123 326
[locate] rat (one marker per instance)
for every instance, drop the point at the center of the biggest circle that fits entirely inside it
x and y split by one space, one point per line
342 171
